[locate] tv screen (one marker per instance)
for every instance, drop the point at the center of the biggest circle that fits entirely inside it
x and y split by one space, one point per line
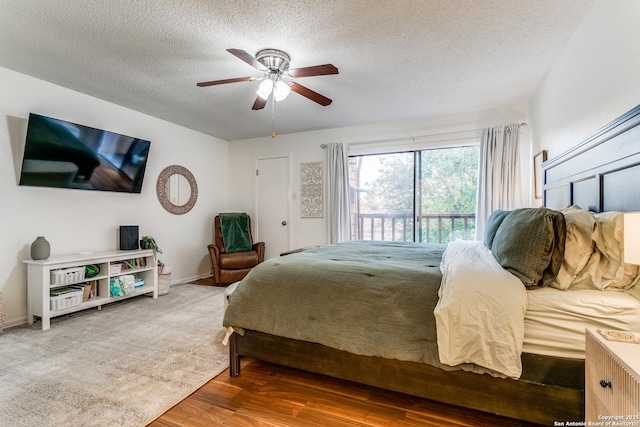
62 154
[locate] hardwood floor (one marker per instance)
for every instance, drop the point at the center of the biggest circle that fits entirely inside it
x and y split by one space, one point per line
271 395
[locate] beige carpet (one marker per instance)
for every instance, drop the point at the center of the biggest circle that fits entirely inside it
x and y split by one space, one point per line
122 366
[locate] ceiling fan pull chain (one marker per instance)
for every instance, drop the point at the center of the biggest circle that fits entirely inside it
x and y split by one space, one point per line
273 117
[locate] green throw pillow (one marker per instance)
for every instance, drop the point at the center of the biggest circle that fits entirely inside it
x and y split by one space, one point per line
492 225
529 243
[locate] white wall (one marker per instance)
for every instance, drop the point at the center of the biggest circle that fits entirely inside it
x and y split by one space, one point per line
305 147
593 81
77 220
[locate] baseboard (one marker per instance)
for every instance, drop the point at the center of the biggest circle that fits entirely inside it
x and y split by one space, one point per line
10 323
191 279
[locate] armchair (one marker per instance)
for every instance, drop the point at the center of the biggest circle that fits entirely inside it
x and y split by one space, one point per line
232 267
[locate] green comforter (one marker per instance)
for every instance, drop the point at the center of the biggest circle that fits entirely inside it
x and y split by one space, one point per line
368 298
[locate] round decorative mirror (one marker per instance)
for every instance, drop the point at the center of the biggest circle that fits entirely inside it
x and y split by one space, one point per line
177 189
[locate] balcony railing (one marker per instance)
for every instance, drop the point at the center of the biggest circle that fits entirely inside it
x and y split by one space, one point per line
432 228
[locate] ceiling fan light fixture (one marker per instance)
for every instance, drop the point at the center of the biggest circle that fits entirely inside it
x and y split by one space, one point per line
281 90
265 88
274 59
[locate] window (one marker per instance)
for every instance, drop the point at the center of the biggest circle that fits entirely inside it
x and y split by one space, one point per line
425 196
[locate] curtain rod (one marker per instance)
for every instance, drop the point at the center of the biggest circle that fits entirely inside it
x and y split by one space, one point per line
416 137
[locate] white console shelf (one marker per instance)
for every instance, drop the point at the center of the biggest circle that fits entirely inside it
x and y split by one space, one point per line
39 284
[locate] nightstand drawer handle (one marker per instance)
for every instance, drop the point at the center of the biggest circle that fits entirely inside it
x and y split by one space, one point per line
605 384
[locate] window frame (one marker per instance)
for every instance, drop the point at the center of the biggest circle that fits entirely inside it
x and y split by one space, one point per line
416 150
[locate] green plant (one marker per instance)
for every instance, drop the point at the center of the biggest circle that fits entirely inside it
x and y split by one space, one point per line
148 242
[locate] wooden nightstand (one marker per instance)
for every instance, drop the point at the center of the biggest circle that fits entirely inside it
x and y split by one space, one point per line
612 380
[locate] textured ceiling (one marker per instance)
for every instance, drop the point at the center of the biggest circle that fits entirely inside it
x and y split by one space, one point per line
398 59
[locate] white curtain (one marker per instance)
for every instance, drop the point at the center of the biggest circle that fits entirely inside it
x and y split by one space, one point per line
498 180
338 192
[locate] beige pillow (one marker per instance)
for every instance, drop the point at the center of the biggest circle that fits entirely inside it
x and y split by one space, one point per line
606 269
617 273
591 274
579 245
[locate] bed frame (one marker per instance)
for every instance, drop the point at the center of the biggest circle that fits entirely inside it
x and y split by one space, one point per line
601 173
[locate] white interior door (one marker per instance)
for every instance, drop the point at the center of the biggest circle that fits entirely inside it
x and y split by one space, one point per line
272 206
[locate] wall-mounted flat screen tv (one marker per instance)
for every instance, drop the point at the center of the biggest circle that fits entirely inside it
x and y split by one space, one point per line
62 154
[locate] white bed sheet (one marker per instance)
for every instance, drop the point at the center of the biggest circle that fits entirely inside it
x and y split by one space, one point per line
479 315
555 320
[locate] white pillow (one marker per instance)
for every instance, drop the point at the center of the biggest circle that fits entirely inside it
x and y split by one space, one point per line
579 245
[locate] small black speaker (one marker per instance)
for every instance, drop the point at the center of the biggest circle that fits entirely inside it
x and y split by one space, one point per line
128 237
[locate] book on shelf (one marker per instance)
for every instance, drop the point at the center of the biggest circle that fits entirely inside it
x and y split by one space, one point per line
132 263
61 291
86 289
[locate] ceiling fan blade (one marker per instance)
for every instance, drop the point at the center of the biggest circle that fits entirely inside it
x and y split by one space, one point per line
241 54
308 93
259 104
221 82
316 70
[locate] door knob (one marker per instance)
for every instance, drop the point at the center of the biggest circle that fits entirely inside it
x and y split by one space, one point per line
284 222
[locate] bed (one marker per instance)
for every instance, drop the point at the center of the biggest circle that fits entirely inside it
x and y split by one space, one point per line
394 351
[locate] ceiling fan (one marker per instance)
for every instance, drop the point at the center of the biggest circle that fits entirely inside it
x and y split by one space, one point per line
274 64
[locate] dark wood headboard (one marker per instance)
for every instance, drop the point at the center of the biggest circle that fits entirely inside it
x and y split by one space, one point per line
602 173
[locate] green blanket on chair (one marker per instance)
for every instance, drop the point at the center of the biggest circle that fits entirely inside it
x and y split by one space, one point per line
235 232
